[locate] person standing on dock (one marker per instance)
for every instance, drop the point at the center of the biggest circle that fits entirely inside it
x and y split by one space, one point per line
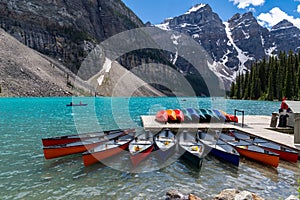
283 106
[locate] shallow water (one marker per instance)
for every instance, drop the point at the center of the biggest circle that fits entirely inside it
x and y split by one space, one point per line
25 174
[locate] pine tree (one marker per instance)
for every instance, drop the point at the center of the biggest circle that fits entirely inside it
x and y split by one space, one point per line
270 88
238 87
298 82
232 89
288 83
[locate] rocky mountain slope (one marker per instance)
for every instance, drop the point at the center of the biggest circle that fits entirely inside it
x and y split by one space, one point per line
65 29
236 43
24 72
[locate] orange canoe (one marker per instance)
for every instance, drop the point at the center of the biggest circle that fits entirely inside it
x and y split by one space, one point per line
171 115
253 152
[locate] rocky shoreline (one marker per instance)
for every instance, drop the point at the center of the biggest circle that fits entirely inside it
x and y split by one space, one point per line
227 194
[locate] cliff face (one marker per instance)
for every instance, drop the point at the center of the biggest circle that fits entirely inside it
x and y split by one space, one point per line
65 29
24 72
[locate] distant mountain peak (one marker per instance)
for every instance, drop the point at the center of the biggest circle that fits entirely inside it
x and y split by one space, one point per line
284 24
196 8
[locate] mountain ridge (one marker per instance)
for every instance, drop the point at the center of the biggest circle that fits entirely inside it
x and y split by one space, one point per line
234 43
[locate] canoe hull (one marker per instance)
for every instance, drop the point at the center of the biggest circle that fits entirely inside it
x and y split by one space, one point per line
192 158
162 116
284 153
287 156
56 152
179 115
171 115
136 159
272 160
228 157
92 158
61 140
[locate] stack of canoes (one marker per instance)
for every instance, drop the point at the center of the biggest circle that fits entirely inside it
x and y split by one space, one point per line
171 116
165 144
141 147
285 153
72 144
218 148
194 115
252 151
191 148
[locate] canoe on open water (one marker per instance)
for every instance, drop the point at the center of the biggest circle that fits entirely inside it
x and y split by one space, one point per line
285 153
165 144
141 147
59 140
252 151
219 149
79 146
191 148
107 149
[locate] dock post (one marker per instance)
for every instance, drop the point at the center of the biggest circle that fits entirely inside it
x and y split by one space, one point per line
243 113
297 128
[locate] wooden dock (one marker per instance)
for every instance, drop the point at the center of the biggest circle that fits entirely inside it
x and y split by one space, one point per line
254 125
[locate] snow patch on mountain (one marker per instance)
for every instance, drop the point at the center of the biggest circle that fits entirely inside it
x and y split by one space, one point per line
164 26
224 74
243 58
175 39
195 8
270 50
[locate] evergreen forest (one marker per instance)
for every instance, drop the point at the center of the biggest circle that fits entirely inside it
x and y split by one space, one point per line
271 79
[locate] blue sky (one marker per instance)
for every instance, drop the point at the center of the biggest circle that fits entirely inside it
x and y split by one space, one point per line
268 12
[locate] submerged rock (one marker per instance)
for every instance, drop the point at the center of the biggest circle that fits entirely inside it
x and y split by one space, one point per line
233 194
227 194
175 195
292 197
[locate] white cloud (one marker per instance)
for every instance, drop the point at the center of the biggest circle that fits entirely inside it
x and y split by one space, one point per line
276 15
246 3
298 8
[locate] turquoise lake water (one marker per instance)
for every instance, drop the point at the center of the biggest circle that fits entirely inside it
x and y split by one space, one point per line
25 174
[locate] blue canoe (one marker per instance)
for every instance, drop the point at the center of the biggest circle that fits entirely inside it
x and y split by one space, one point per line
193 113
213 114
219 148
187 115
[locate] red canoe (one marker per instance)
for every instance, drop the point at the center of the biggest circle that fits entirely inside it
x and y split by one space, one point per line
106 150
162 116
140 148
285 153
77 147
59 140
179 115
251 151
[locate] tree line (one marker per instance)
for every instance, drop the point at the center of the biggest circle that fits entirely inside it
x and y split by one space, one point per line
270 79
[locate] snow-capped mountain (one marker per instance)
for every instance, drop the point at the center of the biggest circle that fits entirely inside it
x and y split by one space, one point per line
235 43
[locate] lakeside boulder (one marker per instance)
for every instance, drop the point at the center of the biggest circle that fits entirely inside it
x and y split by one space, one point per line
227 194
